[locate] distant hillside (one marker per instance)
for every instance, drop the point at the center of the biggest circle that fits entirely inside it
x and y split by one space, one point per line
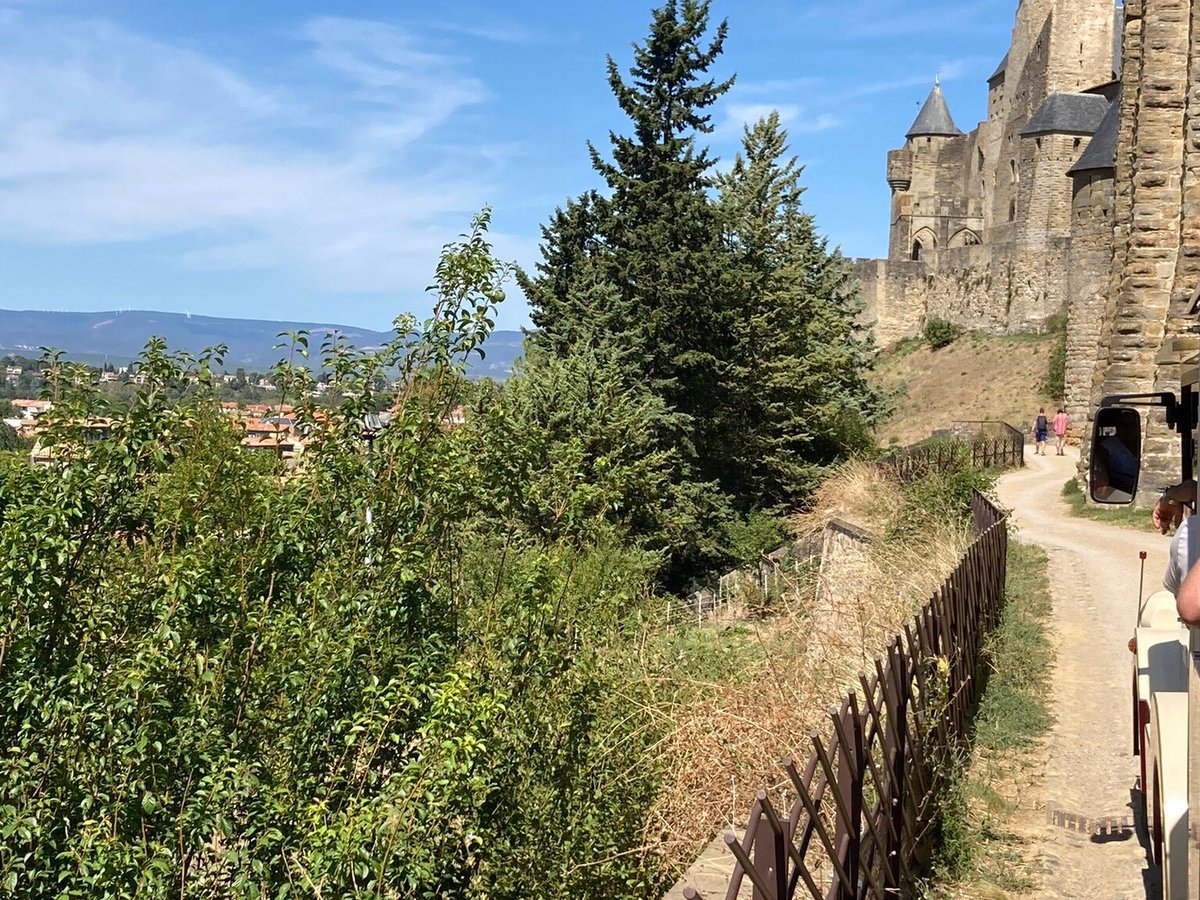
118 337
977 377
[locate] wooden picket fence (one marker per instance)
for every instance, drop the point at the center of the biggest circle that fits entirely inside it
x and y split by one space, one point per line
859 818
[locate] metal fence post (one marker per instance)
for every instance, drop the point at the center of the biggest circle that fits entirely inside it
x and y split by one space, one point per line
850 788
895 691
771 858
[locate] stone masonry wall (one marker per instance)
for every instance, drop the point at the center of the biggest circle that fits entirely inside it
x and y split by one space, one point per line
1180 341
1011 191
1087 289
1081 50
982 288
1153 275
1046 190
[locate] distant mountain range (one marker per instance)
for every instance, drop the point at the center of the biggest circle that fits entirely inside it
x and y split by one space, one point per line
118 337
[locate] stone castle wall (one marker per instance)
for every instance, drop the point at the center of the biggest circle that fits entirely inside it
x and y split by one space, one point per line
976 288
1046 199
981 223
1116 246
1087 286
1145 333
1079 51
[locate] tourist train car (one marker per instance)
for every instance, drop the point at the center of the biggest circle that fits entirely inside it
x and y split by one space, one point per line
1166 669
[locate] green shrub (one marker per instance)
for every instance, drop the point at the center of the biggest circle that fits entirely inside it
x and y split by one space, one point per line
939 333
10 440
943 493
755 534
364 677
1055 383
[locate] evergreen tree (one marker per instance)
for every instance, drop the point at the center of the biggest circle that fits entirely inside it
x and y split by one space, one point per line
563 297
798 363
733 313
653 252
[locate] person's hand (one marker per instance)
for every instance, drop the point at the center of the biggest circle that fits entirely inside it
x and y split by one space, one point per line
1167 514
1172 505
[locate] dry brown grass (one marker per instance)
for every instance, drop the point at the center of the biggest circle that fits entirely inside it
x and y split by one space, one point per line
976 377
730 736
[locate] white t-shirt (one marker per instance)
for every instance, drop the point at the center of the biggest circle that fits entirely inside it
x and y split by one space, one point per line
1184 546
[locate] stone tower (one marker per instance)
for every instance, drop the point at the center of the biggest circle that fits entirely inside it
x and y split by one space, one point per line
1145 332
924 218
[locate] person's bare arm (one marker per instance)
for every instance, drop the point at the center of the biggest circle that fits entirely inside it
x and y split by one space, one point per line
1168 511
1187 601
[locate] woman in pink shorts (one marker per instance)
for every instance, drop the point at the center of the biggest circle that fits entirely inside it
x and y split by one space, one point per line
1061 423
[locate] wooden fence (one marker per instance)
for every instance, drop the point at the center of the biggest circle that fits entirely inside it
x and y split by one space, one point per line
992 445
863 813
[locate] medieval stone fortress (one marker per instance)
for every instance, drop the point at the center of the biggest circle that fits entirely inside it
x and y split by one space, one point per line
1079 195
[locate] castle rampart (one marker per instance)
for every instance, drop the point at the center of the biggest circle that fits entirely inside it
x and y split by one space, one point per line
1080 193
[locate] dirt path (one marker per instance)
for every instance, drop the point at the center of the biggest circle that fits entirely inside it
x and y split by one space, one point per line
1090 770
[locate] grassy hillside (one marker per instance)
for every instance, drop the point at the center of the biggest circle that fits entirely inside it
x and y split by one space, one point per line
977 377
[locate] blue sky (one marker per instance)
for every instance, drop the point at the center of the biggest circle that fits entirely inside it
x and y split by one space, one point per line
304 160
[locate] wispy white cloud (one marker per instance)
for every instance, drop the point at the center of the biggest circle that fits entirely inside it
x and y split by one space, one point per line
110 136
795 118
951 70
500 31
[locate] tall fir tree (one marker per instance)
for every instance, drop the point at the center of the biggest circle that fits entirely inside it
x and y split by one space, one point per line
799 361
733 312
654 246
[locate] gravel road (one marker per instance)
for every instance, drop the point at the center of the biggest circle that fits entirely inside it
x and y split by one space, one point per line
1091 773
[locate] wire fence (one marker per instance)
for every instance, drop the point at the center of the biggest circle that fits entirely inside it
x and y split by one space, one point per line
858 819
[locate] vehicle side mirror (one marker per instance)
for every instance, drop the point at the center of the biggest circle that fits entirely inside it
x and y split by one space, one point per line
1116 461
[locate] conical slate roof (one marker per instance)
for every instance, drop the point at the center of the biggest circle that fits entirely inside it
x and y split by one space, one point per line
934 118
1101 153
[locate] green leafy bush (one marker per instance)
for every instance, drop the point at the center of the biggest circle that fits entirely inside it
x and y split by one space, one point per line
754 535
385 673
939 333
941 494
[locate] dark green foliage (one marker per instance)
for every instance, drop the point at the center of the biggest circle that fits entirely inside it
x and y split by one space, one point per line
595 454
10 440
798 362
645 269
756 534
1055 384
644 277
939 333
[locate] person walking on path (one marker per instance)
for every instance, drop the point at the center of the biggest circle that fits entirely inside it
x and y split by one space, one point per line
1061 423
1040 429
